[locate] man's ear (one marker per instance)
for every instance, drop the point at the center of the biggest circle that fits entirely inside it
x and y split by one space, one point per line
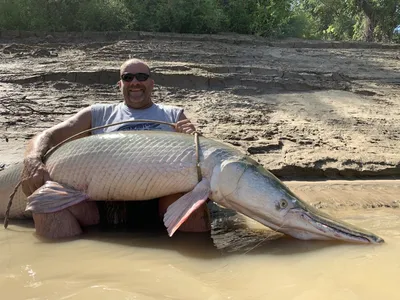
119 83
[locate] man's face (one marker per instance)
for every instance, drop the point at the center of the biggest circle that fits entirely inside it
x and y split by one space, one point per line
137 94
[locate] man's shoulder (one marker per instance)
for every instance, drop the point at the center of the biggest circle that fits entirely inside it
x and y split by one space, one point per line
104 105
169 113
104 108
165 107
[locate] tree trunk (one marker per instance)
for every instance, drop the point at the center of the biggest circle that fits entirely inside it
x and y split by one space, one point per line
370 23
394 20
369 29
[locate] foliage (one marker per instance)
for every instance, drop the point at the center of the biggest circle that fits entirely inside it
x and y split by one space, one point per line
64 15
240 15
271 17
188 16
331 19
101 15
316 19
352 19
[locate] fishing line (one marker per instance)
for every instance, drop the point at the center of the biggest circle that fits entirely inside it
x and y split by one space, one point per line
266 238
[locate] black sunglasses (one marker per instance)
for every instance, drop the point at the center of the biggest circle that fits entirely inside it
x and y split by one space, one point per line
128 77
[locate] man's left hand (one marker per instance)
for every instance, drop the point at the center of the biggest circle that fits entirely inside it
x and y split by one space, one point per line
185 126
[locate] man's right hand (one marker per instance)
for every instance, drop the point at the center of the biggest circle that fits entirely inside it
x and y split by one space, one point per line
34 175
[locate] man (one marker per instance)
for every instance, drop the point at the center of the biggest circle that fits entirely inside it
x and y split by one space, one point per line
136 86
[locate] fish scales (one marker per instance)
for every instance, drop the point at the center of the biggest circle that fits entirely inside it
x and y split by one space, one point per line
9 178
122 166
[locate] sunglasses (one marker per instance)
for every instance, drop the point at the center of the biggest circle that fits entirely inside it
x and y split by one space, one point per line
128 77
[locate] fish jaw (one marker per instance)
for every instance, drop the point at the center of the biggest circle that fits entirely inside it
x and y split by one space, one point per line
312 224
248 188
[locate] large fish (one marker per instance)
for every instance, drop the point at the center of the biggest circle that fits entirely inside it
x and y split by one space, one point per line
141 165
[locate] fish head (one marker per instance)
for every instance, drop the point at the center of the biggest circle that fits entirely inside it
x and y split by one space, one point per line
250 189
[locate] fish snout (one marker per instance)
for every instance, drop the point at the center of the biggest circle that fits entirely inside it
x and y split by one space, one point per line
313 224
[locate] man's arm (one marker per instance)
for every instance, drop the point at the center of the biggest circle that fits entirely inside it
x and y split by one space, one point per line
184 125
35 173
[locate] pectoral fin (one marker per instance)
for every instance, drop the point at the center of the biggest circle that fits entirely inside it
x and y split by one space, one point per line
178 212
52 197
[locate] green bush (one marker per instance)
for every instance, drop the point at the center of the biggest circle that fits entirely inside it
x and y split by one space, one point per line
184 16
143 14
103 15
300 25
240 15
188 16
271 17
64 15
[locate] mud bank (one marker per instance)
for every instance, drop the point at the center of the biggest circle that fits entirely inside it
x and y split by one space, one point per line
305 110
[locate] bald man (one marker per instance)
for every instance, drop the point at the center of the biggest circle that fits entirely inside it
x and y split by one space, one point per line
136 87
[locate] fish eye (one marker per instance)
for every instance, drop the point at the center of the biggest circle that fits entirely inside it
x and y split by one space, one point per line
283 204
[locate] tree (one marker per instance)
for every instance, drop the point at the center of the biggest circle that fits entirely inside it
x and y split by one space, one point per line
368 20
379 14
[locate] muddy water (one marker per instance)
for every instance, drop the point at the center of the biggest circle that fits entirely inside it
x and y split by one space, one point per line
254 264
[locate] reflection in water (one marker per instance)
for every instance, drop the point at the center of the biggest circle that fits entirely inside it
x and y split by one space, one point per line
234 263
231 232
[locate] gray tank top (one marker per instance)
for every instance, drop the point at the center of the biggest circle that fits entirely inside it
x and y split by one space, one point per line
103 114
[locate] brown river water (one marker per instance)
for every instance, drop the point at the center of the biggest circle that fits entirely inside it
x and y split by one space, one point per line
239 260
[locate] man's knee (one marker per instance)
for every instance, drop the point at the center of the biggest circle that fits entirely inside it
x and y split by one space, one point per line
67 222
60 224
86 213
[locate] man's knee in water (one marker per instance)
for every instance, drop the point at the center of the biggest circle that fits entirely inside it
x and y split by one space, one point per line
67 222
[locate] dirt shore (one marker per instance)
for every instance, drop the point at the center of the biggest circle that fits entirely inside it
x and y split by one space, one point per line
304 109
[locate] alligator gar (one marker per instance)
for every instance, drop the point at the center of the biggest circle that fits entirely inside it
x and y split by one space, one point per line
142 165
